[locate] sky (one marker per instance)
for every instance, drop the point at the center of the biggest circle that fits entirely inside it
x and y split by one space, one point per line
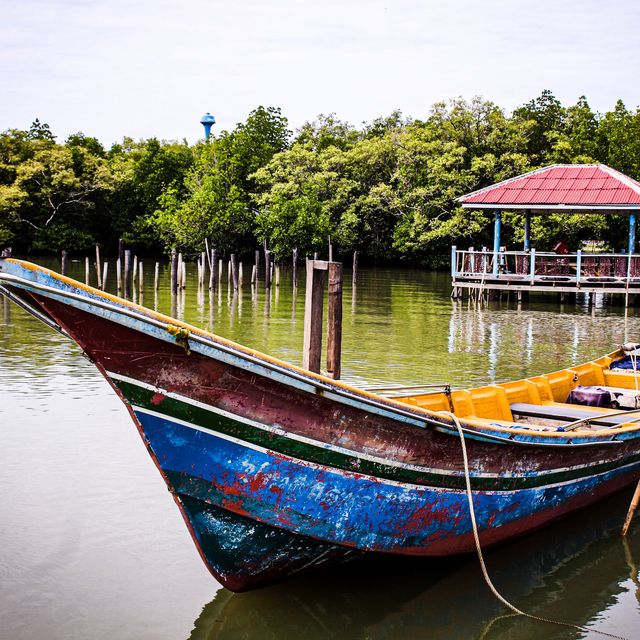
142 68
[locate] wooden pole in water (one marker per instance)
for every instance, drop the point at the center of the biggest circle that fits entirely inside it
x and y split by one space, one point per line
632 509
105 268
267 269
240 274
63 262
294 267
334 320
234 271
354 276
121 255
119 275
98 267
86 270
314 298
183 275
257 263
254 275
213 281
174 272
140 277
134 274
127 273
156 277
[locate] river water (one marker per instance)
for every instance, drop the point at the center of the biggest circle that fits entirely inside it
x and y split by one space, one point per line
92 545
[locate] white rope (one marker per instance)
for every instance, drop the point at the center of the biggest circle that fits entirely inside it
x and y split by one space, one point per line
483 566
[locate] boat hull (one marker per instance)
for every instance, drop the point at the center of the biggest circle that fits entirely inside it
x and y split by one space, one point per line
275 471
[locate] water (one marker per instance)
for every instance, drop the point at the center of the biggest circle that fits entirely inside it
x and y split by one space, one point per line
92 545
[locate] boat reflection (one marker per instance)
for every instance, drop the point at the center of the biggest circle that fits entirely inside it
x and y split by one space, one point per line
573 571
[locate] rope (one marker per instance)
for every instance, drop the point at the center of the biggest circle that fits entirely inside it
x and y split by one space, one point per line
483 566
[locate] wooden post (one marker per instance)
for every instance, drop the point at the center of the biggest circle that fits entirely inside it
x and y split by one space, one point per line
294 265
330 250
334 320
314 295
63 262
234 271
354 275
203 267
118 275
183 275
257 262
134 274
213 280
156 277
277 270
632 509
86 270
105 268
140 277
127 273
174 272
254 275
98 267
267 269
121 255
240 274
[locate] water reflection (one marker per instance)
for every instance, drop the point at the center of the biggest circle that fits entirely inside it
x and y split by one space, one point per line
575 571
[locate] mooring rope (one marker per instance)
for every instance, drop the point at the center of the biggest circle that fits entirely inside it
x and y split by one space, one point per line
483 566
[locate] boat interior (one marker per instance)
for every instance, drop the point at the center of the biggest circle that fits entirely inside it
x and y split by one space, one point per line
599 395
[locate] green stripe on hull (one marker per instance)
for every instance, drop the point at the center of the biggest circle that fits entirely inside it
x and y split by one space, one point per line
171 407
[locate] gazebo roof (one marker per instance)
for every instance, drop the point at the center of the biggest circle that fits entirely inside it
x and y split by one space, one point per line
569 187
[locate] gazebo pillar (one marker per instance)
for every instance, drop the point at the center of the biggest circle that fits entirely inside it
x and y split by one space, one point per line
632 233
497 224
527 230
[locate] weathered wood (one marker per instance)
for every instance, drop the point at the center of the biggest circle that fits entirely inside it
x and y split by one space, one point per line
156 277
183 275
203 268
174 272
354 273
257 262
254 275
234 271
121 255
105 269
134 274
213 279
330 250
63 262
267 269
127 273
119 275
277 270
240 274
632 509
314 297
294 266
140 277
334 320
87 269
98 267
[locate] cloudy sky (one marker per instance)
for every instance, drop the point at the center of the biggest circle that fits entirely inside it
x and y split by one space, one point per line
146 68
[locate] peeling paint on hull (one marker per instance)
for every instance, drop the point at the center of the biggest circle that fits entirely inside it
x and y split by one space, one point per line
276 471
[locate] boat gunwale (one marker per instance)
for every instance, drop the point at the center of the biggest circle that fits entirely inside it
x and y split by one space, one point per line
322 383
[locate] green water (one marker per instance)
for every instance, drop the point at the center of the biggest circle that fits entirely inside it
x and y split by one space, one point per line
91 544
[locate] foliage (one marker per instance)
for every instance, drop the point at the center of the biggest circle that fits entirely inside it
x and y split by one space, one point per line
387 189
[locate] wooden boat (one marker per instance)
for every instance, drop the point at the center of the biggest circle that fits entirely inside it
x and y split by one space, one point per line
277 469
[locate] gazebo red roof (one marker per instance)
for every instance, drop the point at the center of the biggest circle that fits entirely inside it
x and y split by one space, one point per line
560 186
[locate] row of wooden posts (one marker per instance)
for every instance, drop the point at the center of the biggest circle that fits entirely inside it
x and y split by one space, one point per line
318 274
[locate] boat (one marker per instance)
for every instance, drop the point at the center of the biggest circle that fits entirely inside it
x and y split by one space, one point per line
277 469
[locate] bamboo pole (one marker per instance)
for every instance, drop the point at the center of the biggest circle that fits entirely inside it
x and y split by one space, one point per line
98 267
234 271
174 272
632 509
127 273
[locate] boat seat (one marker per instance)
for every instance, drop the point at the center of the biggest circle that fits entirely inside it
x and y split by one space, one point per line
568 412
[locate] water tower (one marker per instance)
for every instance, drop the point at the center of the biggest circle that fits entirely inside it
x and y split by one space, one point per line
207 121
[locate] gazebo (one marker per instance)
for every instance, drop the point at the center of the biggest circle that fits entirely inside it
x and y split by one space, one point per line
580 188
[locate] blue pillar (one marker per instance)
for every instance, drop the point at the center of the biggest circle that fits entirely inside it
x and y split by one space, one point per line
527 230
632 233
497 223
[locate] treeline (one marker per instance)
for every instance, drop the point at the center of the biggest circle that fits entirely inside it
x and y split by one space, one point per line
387 188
